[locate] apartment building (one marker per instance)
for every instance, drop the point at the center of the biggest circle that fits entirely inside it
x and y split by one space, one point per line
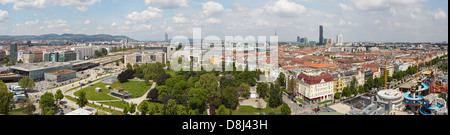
315 86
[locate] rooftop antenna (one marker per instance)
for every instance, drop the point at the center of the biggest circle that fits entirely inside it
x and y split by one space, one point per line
276 30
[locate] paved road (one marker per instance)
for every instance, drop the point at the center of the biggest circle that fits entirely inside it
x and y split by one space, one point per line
296 109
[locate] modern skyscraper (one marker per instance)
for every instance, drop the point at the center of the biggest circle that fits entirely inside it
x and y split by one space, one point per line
321 40
299 39
13 52
339 40
166 38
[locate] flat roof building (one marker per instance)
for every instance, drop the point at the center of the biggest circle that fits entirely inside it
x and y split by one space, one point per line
60 75
37 70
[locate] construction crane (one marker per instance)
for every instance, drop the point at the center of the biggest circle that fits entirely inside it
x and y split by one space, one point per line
385 70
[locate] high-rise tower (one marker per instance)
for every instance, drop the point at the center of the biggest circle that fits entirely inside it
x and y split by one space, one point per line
13 52
339 40
166 38
321 42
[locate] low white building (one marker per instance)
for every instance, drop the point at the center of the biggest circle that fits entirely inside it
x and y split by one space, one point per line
80 111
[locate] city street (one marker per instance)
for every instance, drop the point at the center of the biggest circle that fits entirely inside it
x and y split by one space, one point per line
296 109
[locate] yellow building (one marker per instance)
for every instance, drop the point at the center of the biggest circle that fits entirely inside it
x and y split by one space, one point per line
215 60
338 84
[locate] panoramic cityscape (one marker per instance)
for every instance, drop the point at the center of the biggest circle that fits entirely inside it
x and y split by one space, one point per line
186 57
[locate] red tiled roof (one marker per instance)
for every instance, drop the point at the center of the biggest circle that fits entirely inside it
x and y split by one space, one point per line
311 80
319 65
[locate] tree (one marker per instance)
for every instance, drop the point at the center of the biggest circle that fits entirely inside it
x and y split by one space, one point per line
5 99
144 108
47 101
291 86
228 80
181 110
262 89
48 111
337 95
355 91
97 54
244 89
221 110
82 100
129 66
346 92
275 96
209 83
152 110
171 108
230 97
281 80
132 108
29 109
125 75
126 109
59 95
104 52
285 109
197 99
153 94
26 82
361 89
443 96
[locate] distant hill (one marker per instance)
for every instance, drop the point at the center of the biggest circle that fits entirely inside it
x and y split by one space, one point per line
71 37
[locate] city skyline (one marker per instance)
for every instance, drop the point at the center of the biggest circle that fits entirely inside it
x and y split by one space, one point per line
149 20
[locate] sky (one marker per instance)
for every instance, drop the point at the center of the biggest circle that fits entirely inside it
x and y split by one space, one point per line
149 20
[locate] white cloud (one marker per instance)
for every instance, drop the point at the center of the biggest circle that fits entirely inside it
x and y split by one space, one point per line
440 14
285 8
376 5
56 23
25 4
113 24
82 8
168 4
32 22
87 22
41 4
179 18
345 7
75 2
3 15
212 21
149 14
212 8
146 26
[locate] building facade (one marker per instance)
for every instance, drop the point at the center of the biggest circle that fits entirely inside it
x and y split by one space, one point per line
30 57
315 86
37 70
338 84
146 57
84 52
62 56
60 75
13 52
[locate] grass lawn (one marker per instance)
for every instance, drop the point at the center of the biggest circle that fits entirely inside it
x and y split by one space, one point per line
117 104
249 110
16 112
112 111
136 88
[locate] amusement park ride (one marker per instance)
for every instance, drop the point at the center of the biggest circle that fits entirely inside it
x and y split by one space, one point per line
416 98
